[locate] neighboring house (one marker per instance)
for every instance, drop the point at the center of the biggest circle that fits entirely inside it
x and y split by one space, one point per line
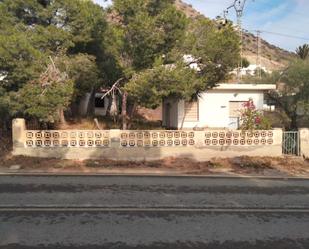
251 70
101 105
217 108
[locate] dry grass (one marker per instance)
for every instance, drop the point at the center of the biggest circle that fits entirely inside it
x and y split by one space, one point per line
264 166
5 144
107 123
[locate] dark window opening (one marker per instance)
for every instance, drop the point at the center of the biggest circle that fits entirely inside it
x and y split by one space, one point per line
99 102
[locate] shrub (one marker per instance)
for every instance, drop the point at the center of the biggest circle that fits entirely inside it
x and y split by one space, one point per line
253 119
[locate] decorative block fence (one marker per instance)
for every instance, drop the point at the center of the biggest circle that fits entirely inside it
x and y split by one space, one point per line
73 139
143 145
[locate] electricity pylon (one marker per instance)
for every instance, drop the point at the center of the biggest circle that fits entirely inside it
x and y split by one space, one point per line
239 6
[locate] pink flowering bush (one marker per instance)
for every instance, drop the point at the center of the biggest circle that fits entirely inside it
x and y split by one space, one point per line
253 119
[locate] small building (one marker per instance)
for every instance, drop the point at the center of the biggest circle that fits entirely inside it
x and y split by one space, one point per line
217 108
99 104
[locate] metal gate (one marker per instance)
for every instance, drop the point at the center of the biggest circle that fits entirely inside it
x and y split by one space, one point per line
291 143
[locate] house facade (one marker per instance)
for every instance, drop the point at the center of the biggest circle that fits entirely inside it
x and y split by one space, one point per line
217 108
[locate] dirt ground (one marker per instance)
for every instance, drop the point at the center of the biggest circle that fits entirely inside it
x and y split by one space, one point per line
257 166
5 144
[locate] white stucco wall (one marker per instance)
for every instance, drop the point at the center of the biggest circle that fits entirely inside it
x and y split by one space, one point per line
83 104
214 107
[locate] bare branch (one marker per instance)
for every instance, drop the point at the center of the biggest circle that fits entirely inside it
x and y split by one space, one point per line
51 76
114 87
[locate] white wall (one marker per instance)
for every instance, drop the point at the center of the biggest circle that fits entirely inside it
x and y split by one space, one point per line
214 107
73 144
83 104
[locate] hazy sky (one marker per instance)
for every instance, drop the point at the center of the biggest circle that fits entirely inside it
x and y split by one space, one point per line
289 17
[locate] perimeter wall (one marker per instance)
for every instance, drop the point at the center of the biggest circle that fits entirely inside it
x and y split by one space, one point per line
143 145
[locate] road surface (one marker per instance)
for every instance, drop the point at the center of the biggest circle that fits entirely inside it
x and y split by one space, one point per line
98 212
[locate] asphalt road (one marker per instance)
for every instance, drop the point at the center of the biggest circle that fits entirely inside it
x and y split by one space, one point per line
152 212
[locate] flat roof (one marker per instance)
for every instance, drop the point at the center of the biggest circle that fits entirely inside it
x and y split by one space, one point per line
262 87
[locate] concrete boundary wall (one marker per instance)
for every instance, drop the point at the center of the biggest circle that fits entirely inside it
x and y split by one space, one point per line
143 145
304 142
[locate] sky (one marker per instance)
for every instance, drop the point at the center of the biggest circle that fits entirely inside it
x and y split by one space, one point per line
290 18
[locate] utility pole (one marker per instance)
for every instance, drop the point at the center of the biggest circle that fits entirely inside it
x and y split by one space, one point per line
258 59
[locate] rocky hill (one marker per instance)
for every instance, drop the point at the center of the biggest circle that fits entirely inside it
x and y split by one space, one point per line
187 9
272 57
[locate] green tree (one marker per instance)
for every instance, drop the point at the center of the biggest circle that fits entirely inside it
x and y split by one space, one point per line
212 53
149 87
245 62
217 50
147 31
153 38
82 69
33 30
20 61
293 95
47 97
303 51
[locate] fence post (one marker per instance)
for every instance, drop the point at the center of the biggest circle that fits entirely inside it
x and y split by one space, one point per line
199 139
18 131
115 138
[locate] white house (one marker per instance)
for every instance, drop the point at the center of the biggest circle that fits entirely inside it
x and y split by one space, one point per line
216 108
251 70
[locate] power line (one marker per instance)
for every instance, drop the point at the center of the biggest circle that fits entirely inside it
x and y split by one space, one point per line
239 7
281 34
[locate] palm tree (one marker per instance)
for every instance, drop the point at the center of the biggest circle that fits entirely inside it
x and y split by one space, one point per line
303 51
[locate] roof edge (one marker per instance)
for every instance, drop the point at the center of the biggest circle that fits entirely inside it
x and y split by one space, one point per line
264 87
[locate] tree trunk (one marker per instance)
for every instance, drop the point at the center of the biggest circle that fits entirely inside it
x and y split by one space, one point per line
62 117
293 125
132 113
90 107
124 110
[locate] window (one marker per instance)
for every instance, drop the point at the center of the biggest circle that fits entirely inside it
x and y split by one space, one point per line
191 111
99 102
234 113
235 108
